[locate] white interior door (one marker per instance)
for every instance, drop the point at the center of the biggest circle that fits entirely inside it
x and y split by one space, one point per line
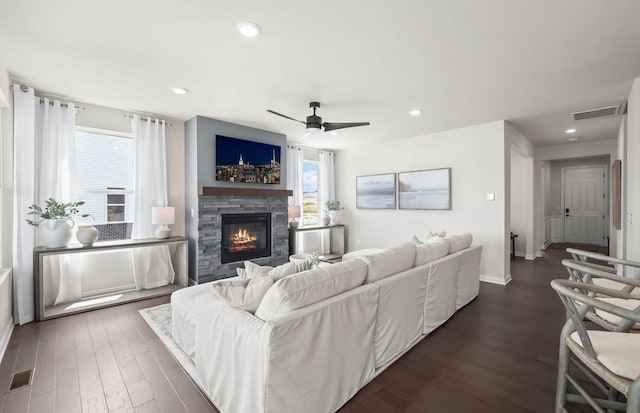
584 205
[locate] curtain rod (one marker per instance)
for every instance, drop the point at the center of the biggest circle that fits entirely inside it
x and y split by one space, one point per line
149 119
25 88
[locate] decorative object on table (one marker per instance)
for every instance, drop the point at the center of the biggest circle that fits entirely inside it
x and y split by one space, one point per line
301 261
55 221
87 235
429 189
376 191
335 212
326 219
294 212
163 216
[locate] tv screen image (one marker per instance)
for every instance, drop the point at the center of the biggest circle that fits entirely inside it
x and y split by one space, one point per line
239 160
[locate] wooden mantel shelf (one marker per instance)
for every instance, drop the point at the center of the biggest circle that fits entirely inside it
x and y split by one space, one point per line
224 191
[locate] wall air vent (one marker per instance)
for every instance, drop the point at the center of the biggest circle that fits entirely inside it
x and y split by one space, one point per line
596 113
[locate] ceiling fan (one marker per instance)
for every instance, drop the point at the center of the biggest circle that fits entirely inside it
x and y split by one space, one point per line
314 122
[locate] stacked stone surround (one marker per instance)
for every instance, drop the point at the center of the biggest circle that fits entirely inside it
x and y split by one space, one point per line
210 211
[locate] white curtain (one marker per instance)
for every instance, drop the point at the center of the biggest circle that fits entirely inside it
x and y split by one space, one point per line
327 187
295 168
44 168
151 265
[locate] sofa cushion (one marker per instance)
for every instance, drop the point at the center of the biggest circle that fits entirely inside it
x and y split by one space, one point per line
252 270
244 294
310 287
431 249
428 234
459 242
361 253
392 261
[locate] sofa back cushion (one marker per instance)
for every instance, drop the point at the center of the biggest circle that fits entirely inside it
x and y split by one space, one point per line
431 249
392 261
310 287
243 294
459 242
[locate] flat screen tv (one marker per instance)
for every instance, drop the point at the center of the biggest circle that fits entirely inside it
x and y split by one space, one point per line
239 160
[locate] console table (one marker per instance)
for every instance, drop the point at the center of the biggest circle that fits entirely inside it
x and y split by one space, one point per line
179 261
327 240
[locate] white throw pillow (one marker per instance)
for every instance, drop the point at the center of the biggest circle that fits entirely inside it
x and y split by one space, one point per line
432 249
310 287
427 235
459 242
392 261
258 271
244 294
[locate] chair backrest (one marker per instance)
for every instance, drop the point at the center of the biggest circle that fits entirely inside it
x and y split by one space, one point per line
622 267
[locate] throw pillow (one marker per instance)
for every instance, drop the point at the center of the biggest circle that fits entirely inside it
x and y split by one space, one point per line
459 242
244 294
428 234
258 271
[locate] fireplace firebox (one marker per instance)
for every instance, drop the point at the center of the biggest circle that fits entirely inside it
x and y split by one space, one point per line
245 236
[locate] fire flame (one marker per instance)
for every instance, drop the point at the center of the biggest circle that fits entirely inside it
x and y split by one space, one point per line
242 240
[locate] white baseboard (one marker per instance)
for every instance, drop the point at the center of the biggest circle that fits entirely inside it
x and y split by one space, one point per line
4 339
530 257
495 279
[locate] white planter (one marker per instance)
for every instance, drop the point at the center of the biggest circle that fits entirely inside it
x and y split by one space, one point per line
87 234
56 233
336 217
325 220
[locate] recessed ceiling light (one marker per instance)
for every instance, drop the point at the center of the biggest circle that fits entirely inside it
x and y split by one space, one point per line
415 112
333 132
570 131
248 29
573 139
179 90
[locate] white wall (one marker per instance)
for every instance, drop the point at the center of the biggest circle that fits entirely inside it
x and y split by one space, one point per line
632 172
621 139
520 204
477 158
6 200
557 152
524 151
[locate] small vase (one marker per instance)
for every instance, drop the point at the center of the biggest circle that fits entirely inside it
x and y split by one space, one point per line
335 217
326 220
56 233
87 235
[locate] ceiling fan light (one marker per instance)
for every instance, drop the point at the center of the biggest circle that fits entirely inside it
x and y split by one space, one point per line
415 112
248 29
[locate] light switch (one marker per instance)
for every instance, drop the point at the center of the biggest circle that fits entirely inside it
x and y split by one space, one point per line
491 196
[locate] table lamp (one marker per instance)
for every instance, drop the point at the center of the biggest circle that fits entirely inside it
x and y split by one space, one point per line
294 212
163 216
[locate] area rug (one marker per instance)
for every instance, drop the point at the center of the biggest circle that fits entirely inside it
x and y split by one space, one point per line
159 319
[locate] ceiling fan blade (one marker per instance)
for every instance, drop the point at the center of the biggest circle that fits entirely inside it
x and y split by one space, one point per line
285 116
333 126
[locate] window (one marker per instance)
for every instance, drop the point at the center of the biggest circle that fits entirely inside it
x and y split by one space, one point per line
105 176
310 194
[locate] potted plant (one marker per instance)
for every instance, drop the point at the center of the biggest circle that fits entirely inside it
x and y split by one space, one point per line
333 208
55 221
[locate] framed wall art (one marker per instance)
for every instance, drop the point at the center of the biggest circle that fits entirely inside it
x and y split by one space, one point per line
376 191
428 189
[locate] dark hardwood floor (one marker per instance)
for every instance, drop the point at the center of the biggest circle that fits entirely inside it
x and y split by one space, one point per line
498 354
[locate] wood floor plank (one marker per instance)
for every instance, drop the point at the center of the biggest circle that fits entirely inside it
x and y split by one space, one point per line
164 394
17 401
149 407
65 346
42 403
44 375
116 394
67 391
92 395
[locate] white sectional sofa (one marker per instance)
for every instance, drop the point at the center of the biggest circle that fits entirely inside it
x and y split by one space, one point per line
321 335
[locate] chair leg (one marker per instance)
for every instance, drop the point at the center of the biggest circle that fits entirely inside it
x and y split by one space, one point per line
633 397
563 368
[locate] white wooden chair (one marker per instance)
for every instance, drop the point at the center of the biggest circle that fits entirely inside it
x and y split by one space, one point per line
613 265
609 359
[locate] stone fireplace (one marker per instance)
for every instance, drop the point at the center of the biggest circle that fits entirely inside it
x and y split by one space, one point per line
238 210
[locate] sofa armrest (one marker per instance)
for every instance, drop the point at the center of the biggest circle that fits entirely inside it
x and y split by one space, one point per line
231 356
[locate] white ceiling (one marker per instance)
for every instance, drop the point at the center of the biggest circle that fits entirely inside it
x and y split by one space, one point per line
461 62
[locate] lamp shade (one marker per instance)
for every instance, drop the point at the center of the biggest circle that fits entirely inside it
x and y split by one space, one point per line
163 215
294 211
